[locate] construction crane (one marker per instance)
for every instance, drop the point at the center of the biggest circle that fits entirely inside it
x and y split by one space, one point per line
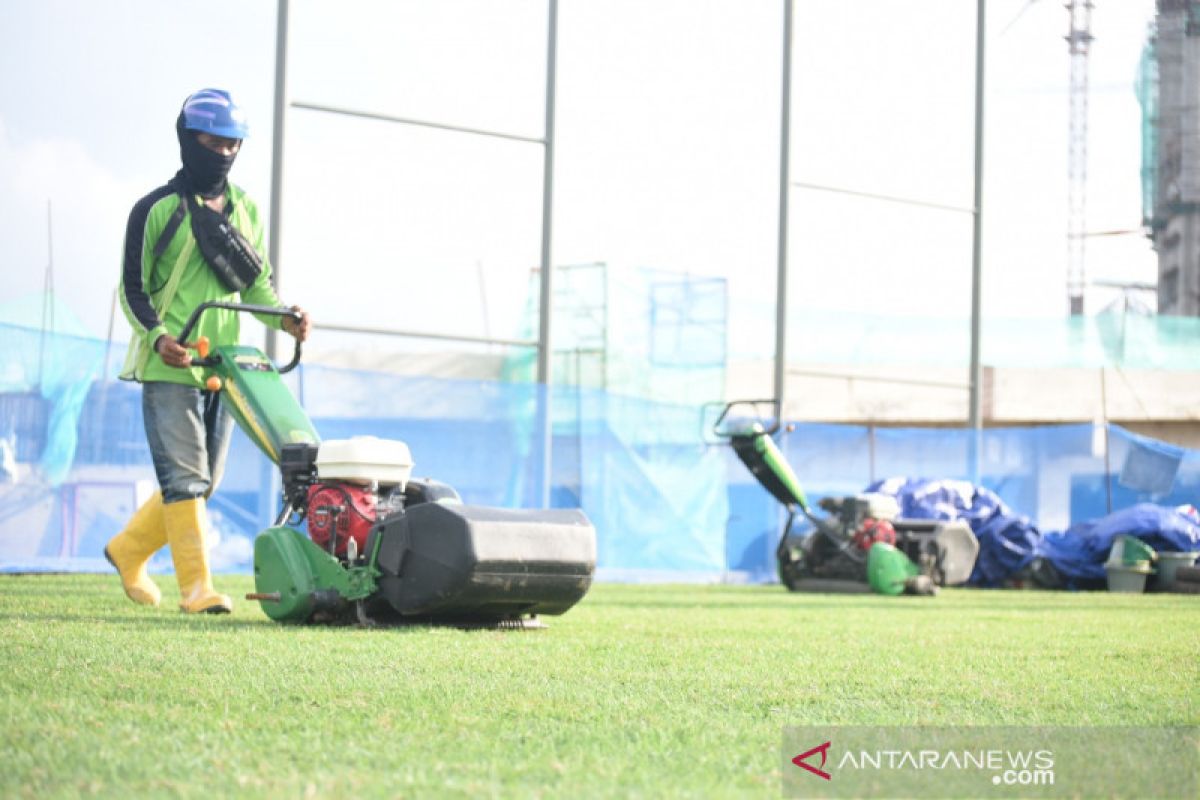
1079 39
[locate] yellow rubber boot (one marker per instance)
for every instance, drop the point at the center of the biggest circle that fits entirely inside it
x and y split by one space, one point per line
187 522
130 550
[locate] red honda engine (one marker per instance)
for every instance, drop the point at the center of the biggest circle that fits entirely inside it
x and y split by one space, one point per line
343 511
874 530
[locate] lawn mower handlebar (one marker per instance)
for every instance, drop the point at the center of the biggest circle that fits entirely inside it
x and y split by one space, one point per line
188 326
768 430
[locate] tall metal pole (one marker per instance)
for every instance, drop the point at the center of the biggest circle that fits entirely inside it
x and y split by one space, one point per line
546 296
781 290
976 377
277 140
1079 39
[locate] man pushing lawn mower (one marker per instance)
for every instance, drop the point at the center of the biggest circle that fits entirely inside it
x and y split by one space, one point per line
381 548
197 239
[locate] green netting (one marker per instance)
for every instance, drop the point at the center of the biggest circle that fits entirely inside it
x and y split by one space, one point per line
1146 87
639 332
663 337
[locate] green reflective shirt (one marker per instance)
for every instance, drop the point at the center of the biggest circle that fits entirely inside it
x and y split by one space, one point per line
145 283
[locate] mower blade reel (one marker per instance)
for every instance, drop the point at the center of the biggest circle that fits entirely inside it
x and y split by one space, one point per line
828 586
463 563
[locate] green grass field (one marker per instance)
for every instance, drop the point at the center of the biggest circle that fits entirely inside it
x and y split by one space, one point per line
640 691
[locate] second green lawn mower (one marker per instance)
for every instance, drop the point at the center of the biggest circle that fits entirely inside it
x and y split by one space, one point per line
861 544
383 547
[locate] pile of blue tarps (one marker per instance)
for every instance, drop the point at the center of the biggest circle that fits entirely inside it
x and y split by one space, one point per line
1009 543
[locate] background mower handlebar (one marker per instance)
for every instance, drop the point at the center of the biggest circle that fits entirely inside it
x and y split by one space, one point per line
768 429
253 309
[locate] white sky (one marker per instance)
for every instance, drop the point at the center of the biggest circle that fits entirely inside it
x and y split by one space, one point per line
667 151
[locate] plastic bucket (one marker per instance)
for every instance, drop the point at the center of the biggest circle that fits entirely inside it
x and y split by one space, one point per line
1127 579
1129 550
1168 563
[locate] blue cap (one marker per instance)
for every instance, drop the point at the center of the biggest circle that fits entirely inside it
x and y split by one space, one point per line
213 111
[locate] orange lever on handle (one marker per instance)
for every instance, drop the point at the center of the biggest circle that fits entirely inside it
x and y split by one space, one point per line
202 346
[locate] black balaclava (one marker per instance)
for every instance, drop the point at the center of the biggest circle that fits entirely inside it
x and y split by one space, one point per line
204 171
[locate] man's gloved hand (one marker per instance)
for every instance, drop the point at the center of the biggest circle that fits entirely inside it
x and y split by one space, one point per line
173 353
299 330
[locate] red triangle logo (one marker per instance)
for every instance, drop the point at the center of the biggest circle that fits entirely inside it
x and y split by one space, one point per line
823 749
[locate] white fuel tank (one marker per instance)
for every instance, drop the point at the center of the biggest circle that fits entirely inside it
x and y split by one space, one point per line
362 459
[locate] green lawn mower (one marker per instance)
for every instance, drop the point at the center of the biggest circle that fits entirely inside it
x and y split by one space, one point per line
862 543
383 547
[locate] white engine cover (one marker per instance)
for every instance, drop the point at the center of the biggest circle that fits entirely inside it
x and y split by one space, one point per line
363 459
880 506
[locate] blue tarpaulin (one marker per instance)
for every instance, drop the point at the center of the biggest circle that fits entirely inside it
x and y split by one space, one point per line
1079 553
1009 542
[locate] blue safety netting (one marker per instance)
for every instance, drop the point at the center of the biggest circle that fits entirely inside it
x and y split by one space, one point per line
49 376
667 504
78 465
